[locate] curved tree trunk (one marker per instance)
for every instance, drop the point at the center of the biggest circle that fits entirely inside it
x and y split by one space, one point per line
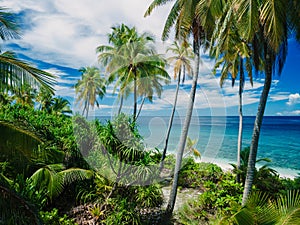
240 135
183 77
170 124
140 109
84 108
87 110
256 130
121 104
134 98
184 133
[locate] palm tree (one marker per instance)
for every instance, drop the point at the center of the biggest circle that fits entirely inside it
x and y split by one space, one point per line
189 17
264 24
134 60
119 36
44 98
14 72
147 85
91 86
60 106
231 52
182 56
25 95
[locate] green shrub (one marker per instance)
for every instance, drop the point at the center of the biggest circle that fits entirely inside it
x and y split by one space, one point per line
53 218
193 174
122 212
149 196
220 197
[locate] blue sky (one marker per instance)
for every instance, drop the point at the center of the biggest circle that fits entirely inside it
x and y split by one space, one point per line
62 36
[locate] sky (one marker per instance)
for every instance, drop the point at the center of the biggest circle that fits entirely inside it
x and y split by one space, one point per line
61 36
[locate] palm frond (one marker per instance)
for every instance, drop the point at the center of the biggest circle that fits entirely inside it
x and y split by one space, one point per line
8 25
16 72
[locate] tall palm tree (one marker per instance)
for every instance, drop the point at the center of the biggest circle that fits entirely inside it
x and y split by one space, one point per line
119 36
231 52
264 24
14 72
89 88
182 61
134 62
189 17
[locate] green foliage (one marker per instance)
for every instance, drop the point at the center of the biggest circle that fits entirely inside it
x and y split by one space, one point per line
262 209
266 179
56 132
122 212
121 154
193 174
53 218
149 196
15 209
221 194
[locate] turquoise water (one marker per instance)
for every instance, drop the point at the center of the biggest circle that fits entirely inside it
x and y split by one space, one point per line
217 137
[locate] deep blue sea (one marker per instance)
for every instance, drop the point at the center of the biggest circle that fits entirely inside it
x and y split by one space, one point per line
217 137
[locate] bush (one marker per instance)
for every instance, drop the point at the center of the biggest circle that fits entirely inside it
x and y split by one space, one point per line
193 174
53 218
221 194
149 196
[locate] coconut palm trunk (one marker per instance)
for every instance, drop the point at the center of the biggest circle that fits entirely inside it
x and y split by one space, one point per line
121 104
240 135
141 106
135 96
170 124
184 133
183 77
256 129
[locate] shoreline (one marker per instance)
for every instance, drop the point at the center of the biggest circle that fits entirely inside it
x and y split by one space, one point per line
225 165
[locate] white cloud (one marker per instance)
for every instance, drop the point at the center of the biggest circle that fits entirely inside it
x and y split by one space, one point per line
67 32
289 113
293 99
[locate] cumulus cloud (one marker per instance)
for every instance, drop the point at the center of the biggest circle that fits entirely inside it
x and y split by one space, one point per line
67 33
293 99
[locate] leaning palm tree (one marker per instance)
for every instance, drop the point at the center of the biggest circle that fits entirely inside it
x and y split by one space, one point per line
182 61
91 86
14 72
189 17
264 24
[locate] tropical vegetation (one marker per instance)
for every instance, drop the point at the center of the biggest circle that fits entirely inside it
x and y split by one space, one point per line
63 168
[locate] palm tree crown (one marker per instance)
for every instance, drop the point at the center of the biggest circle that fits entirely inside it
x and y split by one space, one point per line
132 61
91 86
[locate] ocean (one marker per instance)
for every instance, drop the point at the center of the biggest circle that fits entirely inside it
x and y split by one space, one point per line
217 138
